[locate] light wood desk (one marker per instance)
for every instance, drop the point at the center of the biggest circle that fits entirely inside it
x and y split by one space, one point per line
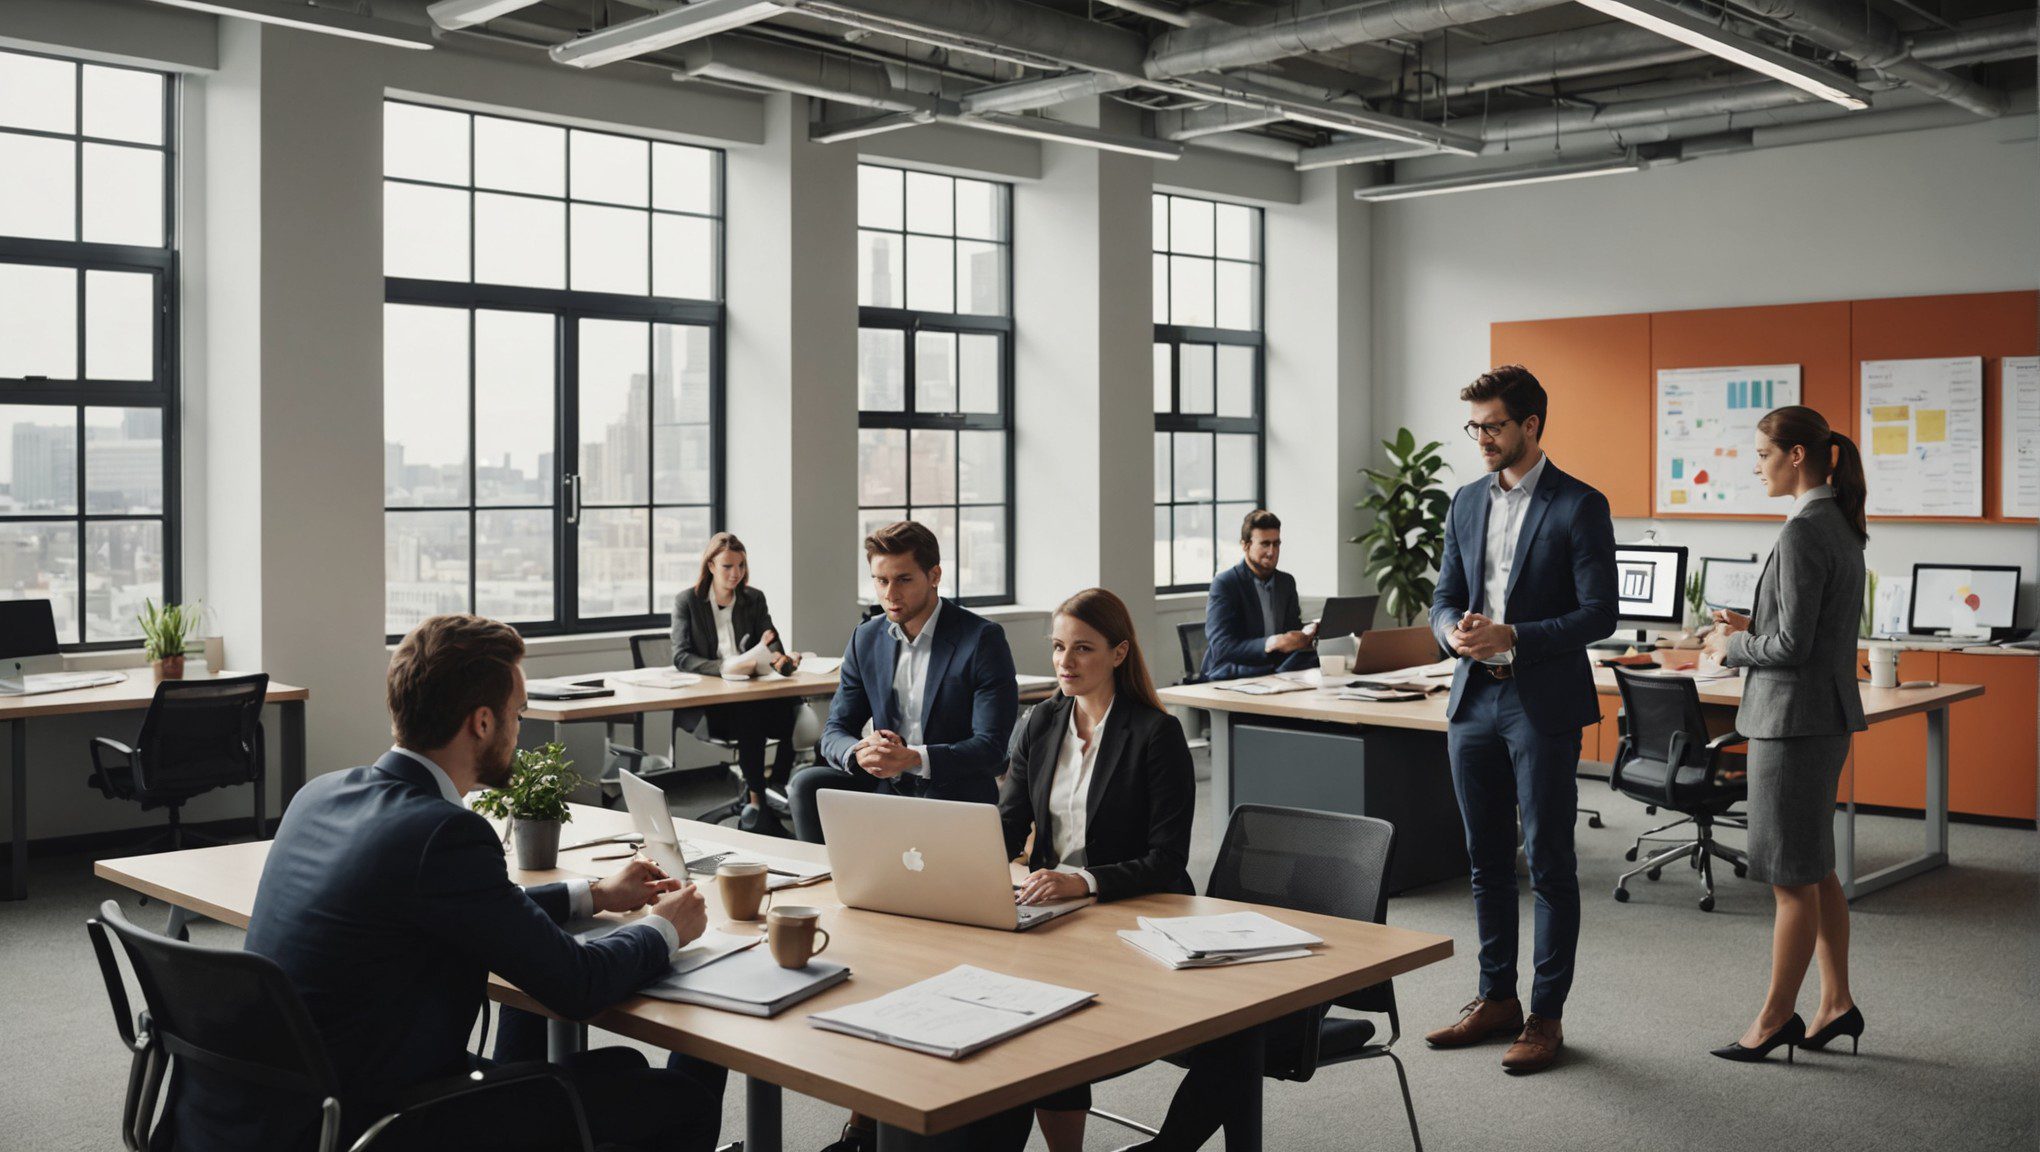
1321 713
1143 1011
129 695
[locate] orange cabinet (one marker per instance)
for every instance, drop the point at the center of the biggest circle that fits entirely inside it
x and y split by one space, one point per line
1889 760
1992 739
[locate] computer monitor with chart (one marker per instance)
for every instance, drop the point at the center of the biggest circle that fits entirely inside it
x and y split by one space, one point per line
1650 584
1963 598
1730 582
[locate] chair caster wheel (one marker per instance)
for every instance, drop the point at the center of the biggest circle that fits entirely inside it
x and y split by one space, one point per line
1622 895
1741 871
1654 873
1707 903
1630 855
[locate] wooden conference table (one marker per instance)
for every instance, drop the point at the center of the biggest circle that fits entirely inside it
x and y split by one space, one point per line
131 694
1143 1011
1299 747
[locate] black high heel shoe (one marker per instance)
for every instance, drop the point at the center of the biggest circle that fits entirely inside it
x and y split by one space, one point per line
1848 1024
1791 1034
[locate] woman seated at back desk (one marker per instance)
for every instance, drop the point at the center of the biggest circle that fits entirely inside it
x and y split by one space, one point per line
720 625
1101 778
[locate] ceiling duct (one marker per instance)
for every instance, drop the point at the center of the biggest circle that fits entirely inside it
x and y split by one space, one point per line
1212 48
1872 40
1611 47
1000 29
784 68
1021 95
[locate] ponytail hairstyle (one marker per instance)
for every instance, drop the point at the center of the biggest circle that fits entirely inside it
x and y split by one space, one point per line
1830 456
1107 614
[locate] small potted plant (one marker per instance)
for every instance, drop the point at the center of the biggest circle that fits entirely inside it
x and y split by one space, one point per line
535 802
163 633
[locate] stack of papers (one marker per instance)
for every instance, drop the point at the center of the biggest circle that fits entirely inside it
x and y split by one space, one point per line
815 665
780 871
1436 677
955 1014
664 678
1172 955
1233 935
1267 686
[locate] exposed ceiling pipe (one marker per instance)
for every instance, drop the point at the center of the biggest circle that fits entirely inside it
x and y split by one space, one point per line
1213 48
1877 123
1976 43
1004 29
1611 47
1189 125
784 68
1872 40
1020 95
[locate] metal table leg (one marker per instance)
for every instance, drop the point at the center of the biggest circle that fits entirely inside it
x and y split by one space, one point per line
762 1115
17 759
563 1038
292 715
1936 834
1221 773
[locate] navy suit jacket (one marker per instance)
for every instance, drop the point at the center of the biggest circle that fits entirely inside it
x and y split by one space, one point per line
388 907
1561 594
967 710
1236 636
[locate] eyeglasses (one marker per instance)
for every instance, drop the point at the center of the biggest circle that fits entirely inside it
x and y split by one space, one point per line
1486 431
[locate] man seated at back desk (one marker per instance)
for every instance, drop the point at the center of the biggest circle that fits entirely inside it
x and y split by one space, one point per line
387 903
1253 620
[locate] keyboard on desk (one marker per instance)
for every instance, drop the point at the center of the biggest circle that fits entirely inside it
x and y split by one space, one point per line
46 682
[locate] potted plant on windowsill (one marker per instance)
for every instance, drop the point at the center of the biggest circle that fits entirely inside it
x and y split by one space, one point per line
163 633
535 803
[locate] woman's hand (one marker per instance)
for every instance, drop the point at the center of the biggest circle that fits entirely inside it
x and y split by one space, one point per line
786 664
1715 644
1726 621
1046 886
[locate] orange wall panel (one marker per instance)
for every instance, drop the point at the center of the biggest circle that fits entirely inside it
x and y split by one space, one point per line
1889 760
1992 739
1596 371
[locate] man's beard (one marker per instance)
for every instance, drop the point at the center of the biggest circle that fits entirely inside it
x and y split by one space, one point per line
1508 459
492 768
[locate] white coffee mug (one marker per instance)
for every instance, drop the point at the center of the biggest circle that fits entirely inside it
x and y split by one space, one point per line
1333 663
1884 667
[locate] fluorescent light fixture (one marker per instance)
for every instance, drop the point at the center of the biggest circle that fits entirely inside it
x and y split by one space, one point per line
455 14
1359 152
1671 21
311 18
832 133
1042 128
1233 89
1499 178
662 30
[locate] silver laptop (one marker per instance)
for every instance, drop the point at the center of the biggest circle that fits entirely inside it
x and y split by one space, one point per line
933 859
646 803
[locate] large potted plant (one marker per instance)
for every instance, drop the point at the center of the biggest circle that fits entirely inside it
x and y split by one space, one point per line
535 803
1407 539
163 633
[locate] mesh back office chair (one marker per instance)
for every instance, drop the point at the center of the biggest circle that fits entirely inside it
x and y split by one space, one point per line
1331 864
1667 759
197 735
648 650
1190 637
234 1018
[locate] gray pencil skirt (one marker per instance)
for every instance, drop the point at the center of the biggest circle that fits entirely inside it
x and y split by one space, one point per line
1792 807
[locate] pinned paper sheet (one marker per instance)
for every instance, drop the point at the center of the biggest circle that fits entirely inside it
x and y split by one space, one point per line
1928 461
1888 440
2019 425
1705 417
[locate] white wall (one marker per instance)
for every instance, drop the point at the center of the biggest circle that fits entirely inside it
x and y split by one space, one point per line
1944 211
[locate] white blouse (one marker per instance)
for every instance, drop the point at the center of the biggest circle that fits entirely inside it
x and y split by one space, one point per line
1069 794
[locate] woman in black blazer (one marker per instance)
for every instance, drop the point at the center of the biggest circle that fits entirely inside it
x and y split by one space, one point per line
1101 778
717 620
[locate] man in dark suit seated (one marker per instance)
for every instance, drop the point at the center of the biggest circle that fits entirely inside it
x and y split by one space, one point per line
932 678
1253 621
387 902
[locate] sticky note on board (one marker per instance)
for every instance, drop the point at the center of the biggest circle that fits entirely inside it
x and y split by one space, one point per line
1931 425
1888 440
1678 469
1883 413
1678 495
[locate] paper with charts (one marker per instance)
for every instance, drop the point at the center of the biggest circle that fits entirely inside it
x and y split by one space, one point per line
1922 436
2019 424
1706 424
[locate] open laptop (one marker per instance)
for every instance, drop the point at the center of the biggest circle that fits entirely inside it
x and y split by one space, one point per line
646 803
932 859
1346 616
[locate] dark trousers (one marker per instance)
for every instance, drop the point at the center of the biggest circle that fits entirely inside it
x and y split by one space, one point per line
1501 766
627 1102
800 794
1223 1078
751 725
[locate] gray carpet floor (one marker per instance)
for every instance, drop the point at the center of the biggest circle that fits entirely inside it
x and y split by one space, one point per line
1947 969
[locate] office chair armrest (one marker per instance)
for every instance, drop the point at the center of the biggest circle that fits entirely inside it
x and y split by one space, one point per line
482 1082
1621 759
1726 740
109 745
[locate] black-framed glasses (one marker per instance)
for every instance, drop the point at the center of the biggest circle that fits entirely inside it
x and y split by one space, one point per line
1478 431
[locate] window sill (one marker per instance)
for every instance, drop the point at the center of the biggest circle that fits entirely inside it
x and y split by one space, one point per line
1180 602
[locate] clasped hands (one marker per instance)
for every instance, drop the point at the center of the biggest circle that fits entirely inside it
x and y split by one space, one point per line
1476 637
1726 624
642 883
885 754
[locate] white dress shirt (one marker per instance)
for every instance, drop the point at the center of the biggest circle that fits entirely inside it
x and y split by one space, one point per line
1506 509
910 684
725 635
580 893
1069 795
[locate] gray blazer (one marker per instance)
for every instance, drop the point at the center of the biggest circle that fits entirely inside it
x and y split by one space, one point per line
695 647
1801 645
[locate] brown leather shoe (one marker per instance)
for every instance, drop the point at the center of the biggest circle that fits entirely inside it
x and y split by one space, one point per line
1537 1048
1478 1021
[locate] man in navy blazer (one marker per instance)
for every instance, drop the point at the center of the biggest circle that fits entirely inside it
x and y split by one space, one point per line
1527 582
933 679
1253 620
387 903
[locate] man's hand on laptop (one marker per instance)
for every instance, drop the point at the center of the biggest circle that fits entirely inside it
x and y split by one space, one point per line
684 908
885 755
638 884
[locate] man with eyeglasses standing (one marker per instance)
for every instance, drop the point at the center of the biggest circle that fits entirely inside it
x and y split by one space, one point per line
1527 582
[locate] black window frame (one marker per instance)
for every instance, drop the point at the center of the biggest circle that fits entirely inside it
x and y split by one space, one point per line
569 307
1175 336
164 392
909 419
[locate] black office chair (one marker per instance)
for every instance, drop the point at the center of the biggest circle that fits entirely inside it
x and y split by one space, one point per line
234 1016
1190 637
1667 759
649 650
1331 864
197 735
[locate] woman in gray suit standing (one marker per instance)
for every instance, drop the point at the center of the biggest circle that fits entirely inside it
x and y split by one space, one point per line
1800 704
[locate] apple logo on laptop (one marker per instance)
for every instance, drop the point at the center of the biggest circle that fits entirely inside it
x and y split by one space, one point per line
912 859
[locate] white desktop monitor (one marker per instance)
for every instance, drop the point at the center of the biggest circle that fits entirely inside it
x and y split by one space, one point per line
1730 582
1955 597
1650 584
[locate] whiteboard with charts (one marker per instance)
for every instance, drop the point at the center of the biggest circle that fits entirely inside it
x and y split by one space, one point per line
1706 424
2019 424
1922 436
